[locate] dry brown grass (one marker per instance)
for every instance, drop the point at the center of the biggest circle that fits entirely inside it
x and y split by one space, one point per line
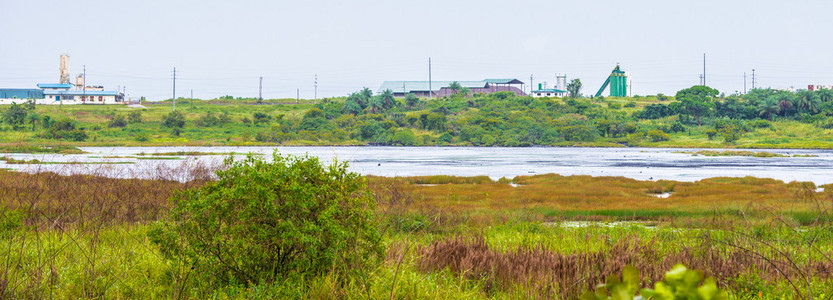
54 201
548 193
553 275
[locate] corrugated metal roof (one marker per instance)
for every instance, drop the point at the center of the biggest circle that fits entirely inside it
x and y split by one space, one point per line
504 81
54 85
21 94
410 86
549 90
81 93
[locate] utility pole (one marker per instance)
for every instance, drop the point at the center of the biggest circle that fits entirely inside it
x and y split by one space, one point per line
744 83
704 69
192 97
404 91
701 80
531 85
260 90
297 96
430 91
753 79
84 88
174 91
316 87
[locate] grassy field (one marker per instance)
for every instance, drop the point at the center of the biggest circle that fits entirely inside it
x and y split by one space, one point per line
479 122
543 236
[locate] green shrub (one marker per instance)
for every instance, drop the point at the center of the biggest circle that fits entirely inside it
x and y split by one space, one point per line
117 121
711 133
679 283
658 135
264 220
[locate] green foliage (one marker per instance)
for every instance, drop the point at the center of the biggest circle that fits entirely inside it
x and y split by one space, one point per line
680 283
210 119
173 120
15 115
65 130
697 101
658 135
711 133
134 117
117 121
261 221
260 118
574 88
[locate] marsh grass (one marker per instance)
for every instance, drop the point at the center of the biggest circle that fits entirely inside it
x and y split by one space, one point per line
84 236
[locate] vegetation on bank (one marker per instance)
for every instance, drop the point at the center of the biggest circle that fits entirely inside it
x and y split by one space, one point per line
447 237
696 117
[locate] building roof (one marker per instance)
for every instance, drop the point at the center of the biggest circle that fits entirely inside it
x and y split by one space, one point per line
81 93
549 91
422 86
54 85
504 81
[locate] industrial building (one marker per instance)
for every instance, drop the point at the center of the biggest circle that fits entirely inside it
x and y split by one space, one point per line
559 90
441 88
62 92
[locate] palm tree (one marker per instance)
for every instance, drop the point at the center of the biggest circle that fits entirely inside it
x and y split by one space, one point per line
455 86
807 101
387 97
768 108
33 118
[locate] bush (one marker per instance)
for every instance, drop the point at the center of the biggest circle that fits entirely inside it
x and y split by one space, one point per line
117 121
711 133
134 116
658 135
264 220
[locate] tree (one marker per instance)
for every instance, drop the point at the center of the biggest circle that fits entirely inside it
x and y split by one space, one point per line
33 118
261 221
134 116
769 108
411 100
175 121
387 98
697 101
574 88
455 86
807 102
15 115
117 121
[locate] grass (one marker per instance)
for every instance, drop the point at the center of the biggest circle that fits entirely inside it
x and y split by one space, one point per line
85 236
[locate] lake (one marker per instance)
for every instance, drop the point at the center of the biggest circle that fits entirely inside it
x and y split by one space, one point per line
636 163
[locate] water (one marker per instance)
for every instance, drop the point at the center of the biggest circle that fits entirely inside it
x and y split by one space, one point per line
636 163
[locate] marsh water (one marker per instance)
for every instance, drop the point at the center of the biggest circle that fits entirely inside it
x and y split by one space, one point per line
636 163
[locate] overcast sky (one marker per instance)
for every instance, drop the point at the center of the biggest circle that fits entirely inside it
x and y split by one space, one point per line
222 47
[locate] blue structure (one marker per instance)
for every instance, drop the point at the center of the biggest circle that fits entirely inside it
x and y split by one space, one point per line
21 94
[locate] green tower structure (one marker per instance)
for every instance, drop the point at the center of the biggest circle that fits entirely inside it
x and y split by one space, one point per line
618 83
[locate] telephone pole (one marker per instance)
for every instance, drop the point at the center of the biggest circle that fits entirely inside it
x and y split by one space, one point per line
753 79
704 69
430 91
84 87
297 96
192 97
316 86
744 83
531 85
174 90
260 90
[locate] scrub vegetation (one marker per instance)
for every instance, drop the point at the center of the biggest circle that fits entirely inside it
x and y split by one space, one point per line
698 117
297 228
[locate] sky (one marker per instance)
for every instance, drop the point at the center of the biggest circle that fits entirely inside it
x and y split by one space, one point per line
223 47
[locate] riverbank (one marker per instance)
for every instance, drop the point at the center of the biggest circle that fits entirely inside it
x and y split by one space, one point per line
495 120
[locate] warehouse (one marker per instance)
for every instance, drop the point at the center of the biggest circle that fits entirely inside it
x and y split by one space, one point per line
441 88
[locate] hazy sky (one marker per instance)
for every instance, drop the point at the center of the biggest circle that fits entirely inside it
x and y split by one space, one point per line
222 47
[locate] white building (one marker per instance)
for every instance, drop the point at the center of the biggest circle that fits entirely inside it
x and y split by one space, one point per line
59 94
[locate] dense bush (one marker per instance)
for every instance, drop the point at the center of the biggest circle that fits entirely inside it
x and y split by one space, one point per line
263 220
